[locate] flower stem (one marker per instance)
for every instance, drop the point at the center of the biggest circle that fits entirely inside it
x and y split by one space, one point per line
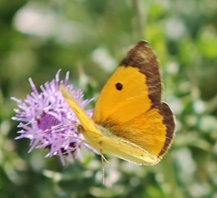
140 19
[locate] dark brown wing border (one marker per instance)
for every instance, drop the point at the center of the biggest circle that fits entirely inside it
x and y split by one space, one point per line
144 58
168 120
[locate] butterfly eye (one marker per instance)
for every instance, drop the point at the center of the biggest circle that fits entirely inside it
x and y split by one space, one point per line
119 86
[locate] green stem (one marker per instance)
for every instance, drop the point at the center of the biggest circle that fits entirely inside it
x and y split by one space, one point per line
140 20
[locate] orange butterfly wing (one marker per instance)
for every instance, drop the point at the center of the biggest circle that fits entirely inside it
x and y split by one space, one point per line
130 106
129 120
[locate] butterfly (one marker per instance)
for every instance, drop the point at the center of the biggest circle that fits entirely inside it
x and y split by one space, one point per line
129 120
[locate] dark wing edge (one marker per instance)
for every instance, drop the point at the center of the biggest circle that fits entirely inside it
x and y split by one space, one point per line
143 57
169 121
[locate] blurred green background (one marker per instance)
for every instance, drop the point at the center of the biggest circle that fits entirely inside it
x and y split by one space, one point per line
89 38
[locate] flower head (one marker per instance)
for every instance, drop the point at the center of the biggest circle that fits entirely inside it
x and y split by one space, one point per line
48 121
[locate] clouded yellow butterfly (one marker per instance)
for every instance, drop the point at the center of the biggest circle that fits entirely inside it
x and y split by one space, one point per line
129 120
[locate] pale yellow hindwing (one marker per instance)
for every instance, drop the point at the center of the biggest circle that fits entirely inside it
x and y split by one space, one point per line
107 144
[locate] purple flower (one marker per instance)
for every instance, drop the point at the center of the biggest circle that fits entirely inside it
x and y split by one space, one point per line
48 121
